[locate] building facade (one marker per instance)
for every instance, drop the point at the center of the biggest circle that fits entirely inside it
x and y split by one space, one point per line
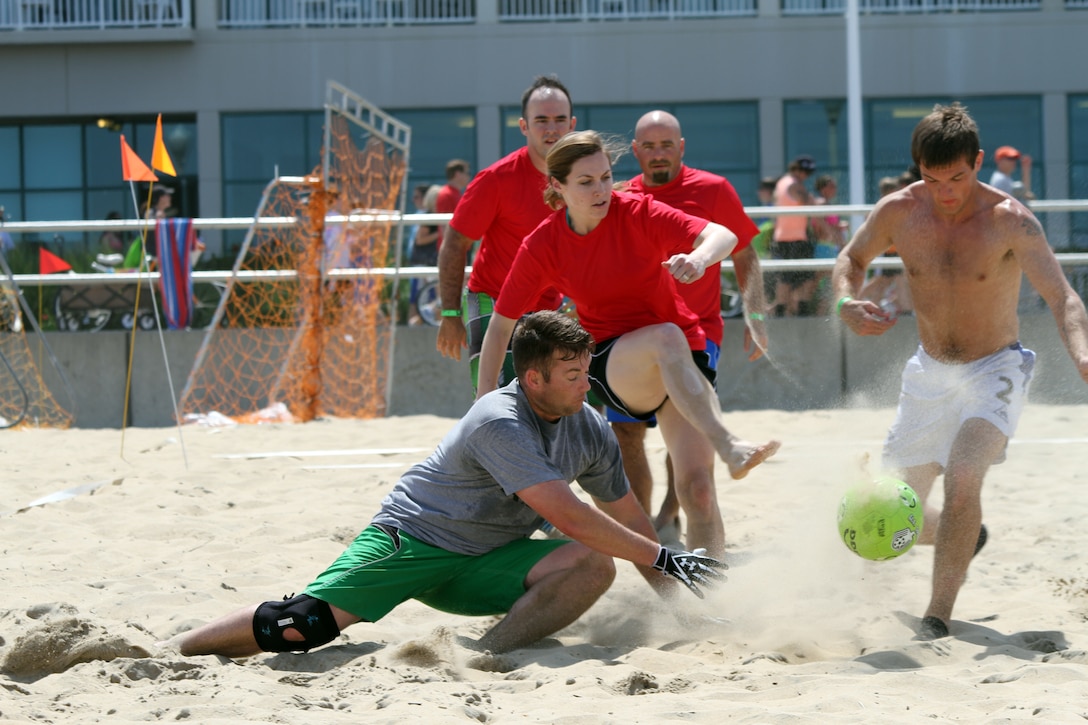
241 83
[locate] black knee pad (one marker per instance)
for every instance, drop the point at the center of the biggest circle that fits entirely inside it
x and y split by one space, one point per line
310 617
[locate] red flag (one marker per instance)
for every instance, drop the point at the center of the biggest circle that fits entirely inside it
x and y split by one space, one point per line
160 159
132 168
50 263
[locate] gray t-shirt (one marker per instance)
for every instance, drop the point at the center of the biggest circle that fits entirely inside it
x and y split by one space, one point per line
463 498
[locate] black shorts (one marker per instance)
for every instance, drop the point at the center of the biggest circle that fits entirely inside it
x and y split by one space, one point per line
801 249
598 381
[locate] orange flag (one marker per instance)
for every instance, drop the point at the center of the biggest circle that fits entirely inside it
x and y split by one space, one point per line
132 168
50 263
160 160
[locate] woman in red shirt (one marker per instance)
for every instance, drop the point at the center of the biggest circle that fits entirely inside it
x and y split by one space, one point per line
619 258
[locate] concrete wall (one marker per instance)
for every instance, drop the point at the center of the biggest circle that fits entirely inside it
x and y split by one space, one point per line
812 365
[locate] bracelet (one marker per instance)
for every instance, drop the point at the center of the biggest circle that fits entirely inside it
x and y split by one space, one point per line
842 301
451 313
756 316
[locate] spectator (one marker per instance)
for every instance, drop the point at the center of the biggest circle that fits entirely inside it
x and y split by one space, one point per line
6 242
112 241
457 179
830 237
1006 157
794 289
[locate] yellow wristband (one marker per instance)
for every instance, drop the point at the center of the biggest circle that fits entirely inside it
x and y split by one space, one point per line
451 313
842 301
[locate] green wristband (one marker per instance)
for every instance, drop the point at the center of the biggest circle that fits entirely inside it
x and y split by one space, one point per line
451 313
842 301
756 316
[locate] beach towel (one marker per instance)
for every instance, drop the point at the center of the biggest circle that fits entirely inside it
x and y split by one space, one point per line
175 239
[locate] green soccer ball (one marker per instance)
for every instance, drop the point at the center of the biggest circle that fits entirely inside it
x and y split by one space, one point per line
881 519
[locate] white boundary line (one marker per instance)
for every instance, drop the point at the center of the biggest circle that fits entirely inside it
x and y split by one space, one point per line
333 466
315 454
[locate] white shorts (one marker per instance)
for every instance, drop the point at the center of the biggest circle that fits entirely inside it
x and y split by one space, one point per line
938 398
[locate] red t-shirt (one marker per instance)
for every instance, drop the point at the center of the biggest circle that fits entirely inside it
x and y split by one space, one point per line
446 203
614 273
500 206
711 197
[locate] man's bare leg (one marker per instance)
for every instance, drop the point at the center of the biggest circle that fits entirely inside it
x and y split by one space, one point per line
693 463
559 589
977 444
653 363
232 635
632 440
921 480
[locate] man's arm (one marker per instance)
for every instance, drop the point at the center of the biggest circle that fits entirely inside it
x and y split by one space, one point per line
451 279
750 279
624 533
873 238
1046 276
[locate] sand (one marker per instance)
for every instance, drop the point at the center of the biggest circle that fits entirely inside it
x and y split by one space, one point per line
150 545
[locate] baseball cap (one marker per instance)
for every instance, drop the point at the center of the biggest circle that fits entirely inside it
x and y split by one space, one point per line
1006 152
805 163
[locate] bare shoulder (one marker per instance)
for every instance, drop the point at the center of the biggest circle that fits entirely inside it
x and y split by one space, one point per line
1013 218
897 208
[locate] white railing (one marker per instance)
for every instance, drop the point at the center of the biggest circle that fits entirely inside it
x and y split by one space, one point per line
884 7
1067 259
581 10
19 15
342 13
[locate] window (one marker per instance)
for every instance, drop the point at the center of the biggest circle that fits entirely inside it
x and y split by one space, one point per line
1078 169
818 128
72 170
722 138
438 135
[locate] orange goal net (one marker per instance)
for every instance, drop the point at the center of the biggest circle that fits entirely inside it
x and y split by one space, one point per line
27 367
305 325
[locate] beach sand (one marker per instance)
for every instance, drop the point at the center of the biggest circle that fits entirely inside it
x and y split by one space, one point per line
151 545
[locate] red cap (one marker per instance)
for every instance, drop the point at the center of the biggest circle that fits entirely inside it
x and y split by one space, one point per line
1006 152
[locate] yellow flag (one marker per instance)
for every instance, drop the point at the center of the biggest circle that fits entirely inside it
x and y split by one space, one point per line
160 159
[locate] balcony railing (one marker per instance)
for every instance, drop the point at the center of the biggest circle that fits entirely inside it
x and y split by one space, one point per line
343 13
568 10
879 7
17 15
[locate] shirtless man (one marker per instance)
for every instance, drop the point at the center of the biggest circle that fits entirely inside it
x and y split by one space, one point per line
964 245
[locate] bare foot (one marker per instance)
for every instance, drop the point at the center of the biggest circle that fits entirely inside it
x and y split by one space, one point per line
744 457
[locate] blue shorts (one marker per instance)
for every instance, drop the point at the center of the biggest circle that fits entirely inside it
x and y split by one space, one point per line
713 349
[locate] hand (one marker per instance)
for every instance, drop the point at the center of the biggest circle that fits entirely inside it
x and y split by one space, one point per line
690 567
685 267
755 344
452 336
865 317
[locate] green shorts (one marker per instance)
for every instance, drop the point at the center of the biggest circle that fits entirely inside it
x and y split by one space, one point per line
384 567
476 309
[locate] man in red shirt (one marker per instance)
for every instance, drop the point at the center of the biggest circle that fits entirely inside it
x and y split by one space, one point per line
659 148
502 204
457 178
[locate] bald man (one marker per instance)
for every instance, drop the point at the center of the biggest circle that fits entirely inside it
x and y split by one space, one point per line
659 148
